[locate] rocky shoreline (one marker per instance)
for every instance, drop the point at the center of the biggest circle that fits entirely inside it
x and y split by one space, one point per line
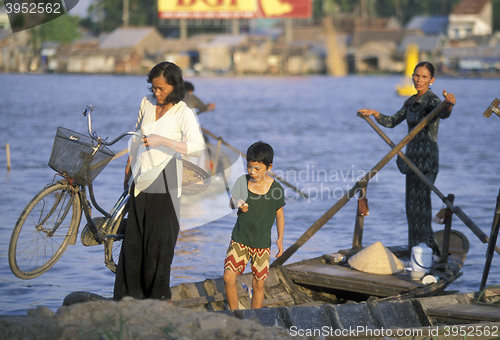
131 319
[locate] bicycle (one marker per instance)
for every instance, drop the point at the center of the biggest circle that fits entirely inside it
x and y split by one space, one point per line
51 220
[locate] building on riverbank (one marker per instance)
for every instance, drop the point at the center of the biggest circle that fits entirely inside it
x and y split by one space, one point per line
460 44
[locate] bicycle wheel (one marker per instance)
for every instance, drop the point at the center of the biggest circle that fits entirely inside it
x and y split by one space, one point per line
114 238
43 230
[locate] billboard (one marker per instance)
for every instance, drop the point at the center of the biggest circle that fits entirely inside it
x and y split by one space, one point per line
233 9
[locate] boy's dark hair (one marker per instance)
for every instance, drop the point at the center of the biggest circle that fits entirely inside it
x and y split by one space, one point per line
173 76
260 152
188 86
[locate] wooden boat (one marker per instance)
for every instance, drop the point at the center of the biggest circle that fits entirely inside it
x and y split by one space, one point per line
324 279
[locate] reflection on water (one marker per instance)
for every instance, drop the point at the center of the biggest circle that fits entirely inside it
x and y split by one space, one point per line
188 238
186 248
320 145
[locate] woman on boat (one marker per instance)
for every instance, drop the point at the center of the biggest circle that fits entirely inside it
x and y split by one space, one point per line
169 128
422 150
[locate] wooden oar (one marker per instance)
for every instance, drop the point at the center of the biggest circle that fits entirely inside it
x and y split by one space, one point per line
459 212
244 156
104 162
361 183
120 154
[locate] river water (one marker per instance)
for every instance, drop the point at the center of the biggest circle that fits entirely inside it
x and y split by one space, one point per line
321 147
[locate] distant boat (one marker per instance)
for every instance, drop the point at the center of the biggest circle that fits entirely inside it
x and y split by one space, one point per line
405 87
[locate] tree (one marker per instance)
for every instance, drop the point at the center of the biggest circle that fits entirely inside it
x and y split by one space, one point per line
63 29
107 15
403 10
496 18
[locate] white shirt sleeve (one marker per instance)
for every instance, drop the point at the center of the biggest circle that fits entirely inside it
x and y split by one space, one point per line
191 131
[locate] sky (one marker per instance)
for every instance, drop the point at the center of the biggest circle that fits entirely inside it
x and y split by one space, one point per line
81 8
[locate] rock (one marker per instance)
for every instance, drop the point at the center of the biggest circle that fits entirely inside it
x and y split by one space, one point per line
29 327
211 323
41 311
131 319
79 297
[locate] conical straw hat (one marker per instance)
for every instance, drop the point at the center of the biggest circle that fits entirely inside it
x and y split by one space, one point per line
376 259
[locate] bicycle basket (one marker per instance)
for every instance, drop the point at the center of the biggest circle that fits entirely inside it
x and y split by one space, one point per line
77 157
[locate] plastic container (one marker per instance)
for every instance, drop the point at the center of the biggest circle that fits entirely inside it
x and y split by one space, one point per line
422 258
338 258
428 279
416 274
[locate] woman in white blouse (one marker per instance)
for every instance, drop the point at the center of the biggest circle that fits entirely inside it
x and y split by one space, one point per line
169 128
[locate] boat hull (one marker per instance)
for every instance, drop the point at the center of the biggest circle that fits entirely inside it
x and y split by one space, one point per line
325 280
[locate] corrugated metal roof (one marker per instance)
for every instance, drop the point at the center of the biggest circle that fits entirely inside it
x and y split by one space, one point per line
470 7
226 40
482 52
424 43
360 38
428 24
127 37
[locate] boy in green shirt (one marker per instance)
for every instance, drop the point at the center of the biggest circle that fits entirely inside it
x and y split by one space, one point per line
259 200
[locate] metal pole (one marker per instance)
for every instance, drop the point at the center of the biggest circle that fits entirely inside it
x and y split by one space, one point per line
183 29
361 212
236 26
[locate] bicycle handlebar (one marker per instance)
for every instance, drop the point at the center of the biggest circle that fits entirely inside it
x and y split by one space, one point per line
87 113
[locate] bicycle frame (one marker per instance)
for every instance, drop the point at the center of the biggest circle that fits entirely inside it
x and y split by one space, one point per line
49 214
86 207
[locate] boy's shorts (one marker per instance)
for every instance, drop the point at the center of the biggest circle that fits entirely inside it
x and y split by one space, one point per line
238 255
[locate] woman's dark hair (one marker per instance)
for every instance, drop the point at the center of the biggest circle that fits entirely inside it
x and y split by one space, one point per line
173 76
260 152
427 65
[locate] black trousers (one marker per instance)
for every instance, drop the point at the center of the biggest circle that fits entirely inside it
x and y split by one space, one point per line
147 252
